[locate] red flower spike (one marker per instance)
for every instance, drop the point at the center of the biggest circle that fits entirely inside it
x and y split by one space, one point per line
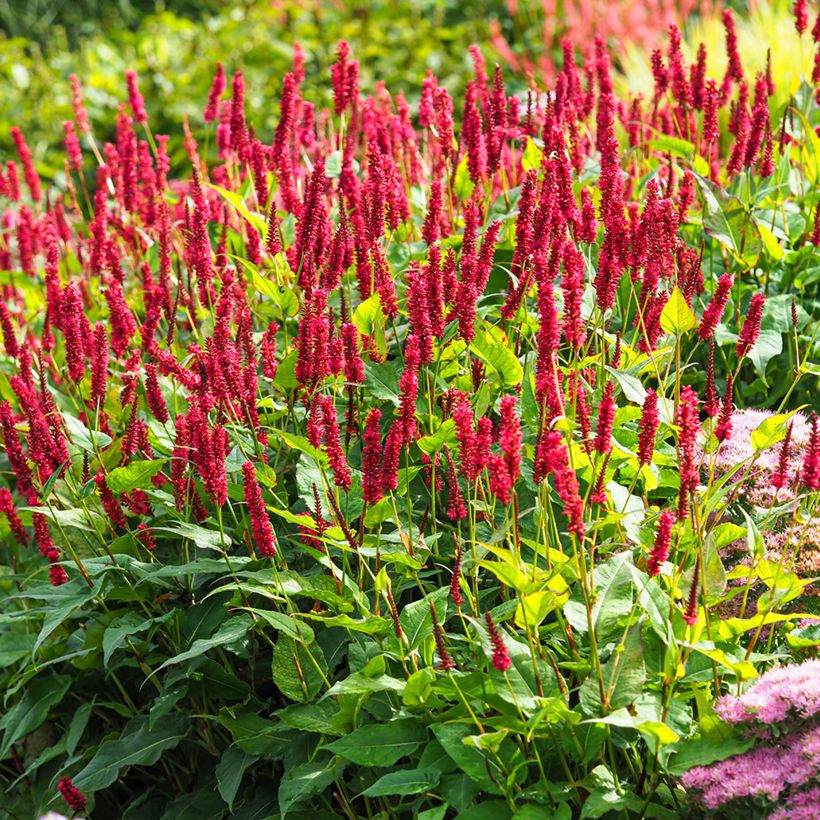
810 474
780 477
501 657
751 326
71 794
446 663
372 458
660 549
263 535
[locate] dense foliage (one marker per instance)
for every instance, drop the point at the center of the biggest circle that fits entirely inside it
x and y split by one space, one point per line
397 462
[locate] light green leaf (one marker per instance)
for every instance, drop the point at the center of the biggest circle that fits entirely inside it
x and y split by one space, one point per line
136 475
677 317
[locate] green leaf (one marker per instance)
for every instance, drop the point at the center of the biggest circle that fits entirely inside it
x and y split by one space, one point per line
236 200
136 746
415 618
472 762
88 440
492 347
444 435
14 646
532 157
232 630
768 345
404 781
624 675
31 710
463 185
229 772
380 744
770 431
136 475
302 444
128 624
301 782
298 670
677 317
63 603
727 220
284 623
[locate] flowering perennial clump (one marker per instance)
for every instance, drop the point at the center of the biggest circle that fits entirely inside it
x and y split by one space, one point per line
292 422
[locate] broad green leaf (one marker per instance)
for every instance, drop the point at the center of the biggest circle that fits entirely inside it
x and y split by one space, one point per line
532 157
136 475
302 444
677 317
770 431
415 618
88 440
303 781
768 345
14 646
231 631
234 199
63 603
284 623
404 781
229 772
493 348
444 435
136 746
727 220
472 762
131 623
463 185
31 710
298 670
380 744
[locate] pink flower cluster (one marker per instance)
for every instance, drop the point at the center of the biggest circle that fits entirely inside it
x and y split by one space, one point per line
780 694
765 771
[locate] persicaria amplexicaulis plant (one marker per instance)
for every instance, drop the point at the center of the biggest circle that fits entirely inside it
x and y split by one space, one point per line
411 427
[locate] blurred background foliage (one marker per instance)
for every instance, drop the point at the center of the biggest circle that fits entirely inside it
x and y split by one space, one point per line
174 46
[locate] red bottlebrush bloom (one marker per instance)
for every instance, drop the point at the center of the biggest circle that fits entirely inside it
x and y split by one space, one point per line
510 437
344 74
551 456
723 425
57 575
372 458
427 103
135 98
153 395
217 90
333 445
71 794
455 580
810 474
801 16
99 367
267 350
780 477
432 222
598 495
71 311
456 509
659 73
473 136
734 70
588 230
29 173
409 386
110 504
353 364
14 453
9 336
688 427
239 133
660 549
714 310
15 524
80 114
751 326
690 614
390 462
446 663
711 403
263 535
462 414
145 535
444 123
72 146
501 657
606 418
572 286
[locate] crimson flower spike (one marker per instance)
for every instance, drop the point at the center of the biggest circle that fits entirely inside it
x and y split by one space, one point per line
501 657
